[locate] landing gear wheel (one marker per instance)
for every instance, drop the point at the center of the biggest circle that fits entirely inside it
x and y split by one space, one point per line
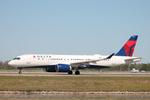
77 72
70 72
20 70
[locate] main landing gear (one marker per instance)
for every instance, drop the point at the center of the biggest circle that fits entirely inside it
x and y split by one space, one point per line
77 72
70 72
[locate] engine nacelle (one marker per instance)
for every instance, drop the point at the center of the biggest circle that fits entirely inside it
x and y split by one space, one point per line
63 67
58 68
51 68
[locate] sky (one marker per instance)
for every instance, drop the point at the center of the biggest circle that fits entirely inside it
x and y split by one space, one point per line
73 27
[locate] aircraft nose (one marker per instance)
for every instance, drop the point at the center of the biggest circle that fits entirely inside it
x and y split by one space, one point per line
11 63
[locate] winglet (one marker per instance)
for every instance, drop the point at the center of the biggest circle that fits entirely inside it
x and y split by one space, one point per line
110 56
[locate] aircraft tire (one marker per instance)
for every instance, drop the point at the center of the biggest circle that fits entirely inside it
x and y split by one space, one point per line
77 72
70 72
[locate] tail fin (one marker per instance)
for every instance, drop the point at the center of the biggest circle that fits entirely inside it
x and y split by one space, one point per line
128 48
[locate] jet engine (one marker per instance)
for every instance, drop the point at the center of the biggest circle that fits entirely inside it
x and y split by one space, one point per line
58 68
63 68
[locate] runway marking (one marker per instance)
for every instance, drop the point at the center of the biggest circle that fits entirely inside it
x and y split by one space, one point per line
146 74
72 93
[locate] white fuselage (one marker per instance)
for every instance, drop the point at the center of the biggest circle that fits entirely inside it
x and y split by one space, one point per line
43 59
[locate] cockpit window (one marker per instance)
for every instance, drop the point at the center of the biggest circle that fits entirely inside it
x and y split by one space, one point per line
17 58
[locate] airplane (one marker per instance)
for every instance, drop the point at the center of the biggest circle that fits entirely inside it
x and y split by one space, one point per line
68 63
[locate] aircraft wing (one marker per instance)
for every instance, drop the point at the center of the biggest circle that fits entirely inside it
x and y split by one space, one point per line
90 61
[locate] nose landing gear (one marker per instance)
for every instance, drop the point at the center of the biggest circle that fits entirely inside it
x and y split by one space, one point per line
20 70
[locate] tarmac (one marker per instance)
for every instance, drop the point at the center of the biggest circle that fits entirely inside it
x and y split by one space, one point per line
84 73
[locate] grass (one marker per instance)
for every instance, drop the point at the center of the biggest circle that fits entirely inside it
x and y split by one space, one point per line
76 97
75 83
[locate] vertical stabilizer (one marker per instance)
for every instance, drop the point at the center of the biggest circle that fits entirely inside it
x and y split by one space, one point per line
128 48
